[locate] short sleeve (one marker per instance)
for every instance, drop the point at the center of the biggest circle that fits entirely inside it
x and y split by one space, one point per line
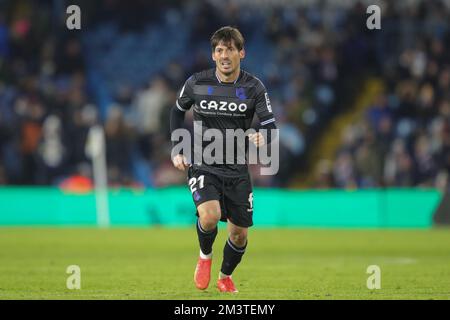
185 97
263 106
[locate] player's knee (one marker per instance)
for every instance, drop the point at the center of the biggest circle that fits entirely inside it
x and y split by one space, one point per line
209 221
209 217
239 238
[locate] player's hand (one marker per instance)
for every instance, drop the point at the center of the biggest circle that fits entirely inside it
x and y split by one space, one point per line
180 162
257 139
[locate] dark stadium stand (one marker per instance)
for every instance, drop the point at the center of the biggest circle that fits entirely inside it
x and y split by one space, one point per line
124 67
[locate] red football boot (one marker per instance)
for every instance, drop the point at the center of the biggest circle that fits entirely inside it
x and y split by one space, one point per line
226 285
202 273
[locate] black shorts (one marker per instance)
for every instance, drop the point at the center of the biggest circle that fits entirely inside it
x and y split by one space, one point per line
234 194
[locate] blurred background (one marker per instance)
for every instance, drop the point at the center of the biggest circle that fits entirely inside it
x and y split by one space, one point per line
356 108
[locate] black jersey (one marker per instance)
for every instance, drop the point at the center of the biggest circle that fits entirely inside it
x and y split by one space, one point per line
220 105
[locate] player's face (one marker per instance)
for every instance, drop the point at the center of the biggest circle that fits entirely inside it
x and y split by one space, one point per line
227 57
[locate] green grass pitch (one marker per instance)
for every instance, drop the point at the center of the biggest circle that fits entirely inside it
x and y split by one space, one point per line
158 263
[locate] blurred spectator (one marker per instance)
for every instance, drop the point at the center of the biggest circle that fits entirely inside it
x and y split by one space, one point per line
52 153
344 171
323 178
149 105
80 181
119 137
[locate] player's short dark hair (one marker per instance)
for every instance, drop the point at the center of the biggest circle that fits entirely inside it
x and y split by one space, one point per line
227 34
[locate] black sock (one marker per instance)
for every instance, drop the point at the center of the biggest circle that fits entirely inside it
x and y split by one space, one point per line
232 255
206 238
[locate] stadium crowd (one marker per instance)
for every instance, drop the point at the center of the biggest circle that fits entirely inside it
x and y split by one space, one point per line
47 105
403 139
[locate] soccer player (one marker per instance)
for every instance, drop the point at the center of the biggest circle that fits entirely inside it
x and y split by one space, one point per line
224 97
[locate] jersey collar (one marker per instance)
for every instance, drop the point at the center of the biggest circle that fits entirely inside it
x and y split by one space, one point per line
218 79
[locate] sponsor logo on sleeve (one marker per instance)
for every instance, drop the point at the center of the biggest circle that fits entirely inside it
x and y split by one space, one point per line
269 107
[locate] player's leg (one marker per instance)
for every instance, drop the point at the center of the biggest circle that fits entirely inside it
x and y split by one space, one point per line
209 215
233 251
234 248
239 211
206 195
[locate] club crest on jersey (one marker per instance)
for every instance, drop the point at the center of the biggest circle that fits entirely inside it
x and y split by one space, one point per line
210 90
240 93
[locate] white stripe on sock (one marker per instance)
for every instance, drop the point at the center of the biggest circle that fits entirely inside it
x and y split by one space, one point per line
205 256
234 247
